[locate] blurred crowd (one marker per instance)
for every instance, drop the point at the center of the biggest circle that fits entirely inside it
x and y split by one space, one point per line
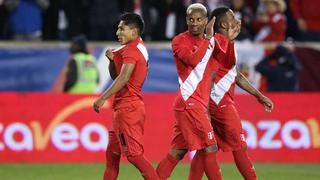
262 20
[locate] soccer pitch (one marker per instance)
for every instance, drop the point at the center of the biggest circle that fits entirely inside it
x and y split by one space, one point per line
128 172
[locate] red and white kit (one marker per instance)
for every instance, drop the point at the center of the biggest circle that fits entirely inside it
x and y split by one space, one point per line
193 58
224 116
129 111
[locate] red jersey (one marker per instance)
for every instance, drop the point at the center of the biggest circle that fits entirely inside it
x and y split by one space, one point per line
192 57
222 91
133 53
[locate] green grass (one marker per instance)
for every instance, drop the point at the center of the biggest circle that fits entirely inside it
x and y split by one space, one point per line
128 172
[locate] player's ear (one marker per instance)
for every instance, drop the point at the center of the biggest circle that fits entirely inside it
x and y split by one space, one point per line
135 32
224 25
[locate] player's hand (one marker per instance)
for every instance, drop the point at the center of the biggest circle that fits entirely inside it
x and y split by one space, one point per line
109 54
97 105
234 30
266 102
209 28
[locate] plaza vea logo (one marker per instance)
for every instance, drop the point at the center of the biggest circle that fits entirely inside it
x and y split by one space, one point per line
275 134
63 135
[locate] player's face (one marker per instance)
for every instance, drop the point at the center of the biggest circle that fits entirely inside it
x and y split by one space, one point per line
233 22
125 33
196 22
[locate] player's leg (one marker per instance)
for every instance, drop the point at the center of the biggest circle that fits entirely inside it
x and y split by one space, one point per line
230 137
144 166
176 153
211 167
198 134
197 166
131 128
205 162
244 164
166 165
135 156
113 154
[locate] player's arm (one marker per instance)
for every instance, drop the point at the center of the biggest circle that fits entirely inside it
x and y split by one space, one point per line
191 56
112 68
213 77
243 83
215 66
120 81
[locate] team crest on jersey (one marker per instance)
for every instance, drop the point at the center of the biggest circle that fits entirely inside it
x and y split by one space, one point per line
210 135
242 137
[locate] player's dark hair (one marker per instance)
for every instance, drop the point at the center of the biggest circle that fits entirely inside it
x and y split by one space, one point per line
219 13
132 19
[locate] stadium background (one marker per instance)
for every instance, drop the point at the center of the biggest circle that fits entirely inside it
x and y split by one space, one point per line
46 134
39 124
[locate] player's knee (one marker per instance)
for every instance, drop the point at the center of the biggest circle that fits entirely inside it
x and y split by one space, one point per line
211 148
134 159
178 153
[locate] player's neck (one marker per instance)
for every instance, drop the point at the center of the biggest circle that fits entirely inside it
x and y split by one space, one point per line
131 40
225 34
199 36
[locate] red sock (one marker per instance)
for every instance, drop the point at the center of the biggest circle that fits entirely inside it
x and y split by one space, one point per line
244 164
211 167
112 168
166 166
144 167
197 167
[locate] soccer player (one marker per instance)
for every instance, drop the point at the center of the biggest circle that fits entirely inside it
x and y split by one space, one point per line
225 119
128 67
192 52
